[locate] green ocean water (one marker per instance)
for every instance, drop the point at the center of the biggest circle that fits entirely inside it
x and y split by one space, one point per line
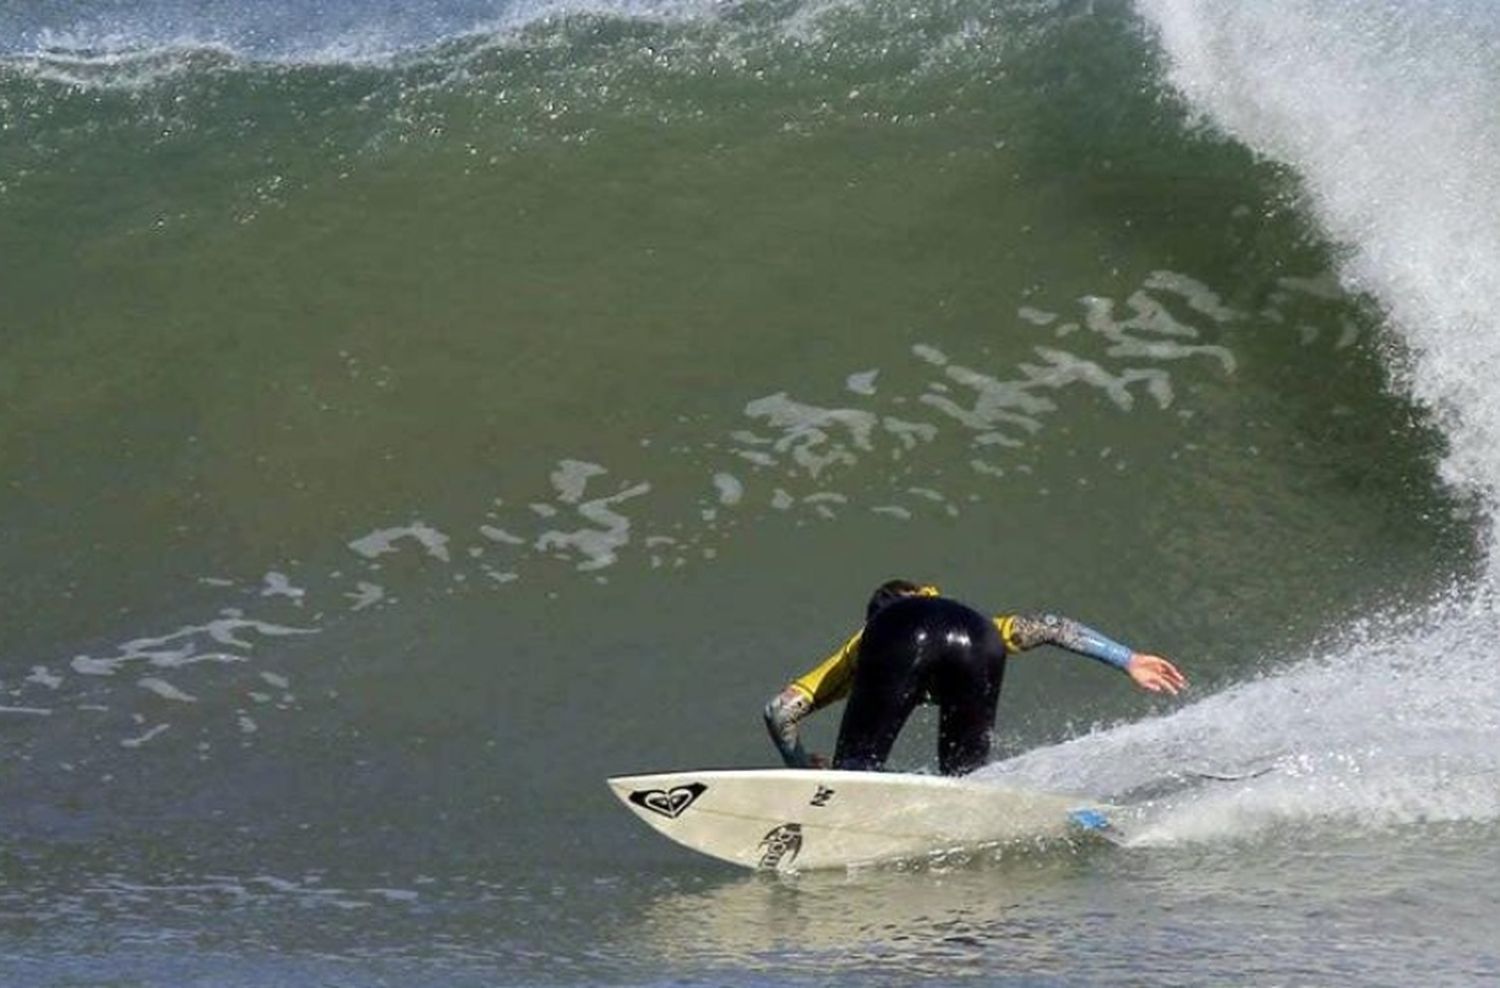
404 427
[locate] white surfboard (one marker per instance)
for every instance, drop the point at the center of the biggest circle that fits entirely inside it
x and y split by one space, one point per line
794 819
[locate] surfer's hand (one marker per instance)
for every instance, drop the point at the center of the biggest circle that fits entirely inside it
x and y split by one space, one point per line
1154 673
815 760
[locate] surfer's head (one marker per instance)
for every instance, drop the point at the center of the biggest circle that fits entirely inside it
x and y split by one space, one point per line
893 590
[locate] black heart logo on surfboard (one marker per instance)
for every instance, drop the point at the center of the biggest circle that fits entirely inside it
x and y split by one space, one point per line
668 802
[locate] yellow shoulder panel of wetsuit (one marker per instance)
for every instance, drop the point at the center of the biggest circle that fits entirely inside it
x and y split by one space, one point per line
1006 624
834 677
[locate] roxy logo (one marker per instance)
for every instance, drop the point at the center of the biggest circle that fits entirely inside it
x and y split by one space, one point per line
781 845
668 802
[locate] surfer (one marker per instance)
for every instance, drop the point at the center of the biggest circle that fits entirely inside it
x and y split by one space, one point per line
919 645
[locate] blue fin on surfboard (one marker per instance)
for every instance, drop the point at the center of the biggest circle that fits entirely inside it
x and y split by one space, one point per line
1092 820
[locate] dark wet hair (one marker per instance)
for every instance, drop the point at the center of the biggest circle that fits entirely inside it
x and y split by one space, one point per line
887 594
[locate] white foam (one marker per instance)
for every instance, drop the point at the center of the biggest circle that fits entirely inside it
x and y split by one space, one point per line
141 739
365 595
599 545
815 437
862 382
27 711
383 541
496 534
182 647
165 690
571 478
278 584
42 676
730 489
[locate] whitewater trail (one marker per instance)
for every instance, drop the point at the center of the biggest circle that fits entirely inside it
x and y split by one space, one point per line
1395 726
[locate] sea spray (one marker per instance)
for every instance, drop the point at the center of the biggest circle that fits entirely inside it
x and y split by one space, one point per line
1391 725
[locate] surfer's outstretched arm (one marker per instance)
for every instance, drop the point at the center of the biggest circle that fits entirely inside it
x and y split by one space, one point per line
1150 672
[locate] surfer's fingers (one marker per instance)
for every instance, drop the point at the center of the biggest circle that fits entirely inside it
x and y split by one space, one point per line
1166 669
1166 683
1171 673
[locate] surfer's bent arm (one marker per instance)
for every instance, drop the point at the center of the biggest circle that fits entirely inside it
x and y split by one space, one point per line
830 681
783 713
1024 631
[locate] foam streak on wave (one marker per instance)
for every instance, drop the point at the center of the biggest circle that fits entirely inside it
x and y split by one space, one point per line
1390 114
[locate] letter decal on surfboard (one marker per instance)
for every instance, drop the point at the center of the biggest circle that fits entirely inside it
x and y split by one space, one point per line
669 803
822 796
781 845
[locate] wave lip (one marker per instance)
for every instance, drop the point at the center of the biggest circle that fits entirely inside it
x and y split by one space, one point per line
122 69
1390 114
140 43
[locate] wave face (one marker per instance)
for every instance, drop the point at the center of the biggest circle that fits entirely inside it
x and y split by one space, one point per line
415 413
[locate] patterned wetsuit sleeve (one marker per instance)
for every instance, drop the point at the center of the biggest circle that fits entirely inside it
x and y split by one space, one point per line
831 680
833 677
782 715
1023 631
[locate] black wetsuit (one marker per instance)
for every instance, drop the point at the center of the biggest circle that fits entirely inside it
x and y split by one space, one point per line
923 647
916 649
